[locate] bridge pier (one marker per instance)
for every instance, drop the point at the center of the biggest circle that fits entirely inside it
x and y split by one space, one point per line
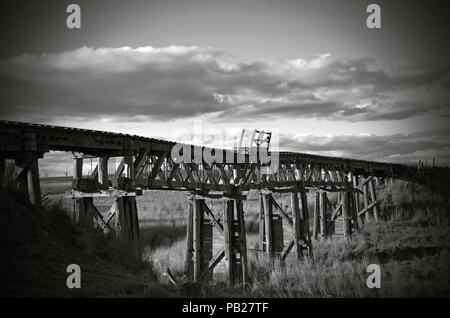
200 261
371 209
26 178
127 224
271 236
123 212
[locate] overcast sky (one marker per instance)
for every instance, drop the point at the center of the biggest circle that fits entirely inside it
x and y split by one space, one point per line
311 71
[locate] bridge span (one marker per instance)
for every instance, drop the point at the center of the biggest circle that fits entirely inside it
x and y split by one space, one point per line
149 164
128 164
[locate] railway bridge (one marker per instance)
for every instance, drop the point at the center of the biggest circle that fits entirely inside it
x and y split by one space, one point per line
128 165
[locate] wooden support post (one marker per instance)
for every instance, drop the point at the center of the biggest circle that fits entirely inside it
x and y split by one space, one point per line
366 202
242 241
297 225
373 195
377 181
129 166
270 251
356 193
20 176
356 207
103 172
202 245
127 224
316 218
346 213
81 212
304 217
197 238
78 168
188 268
34 186
228 234
323 214
262 233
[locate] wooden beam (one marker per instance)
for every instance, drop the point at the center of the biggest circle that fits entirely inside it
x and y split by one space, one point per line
346 214
323 214
268 225
283 214
216 259
188 264
127 224
296 225
316 218
367 209
103 172
81 213
356 194
284 253
197 238
366 202
119 171
368 179
96 216
304 218
356 205
335 213
112 211
373 196
261 233
242 241
140 162
223 174
213 218
228 231
157 167
34 186
129 166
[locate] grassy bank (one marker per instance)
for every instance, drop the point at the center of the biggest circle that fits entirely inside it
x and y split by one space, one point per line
37 245
410 243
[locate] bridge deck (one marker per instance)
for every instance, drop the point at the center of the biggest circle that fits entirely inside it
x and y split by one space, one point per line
154 168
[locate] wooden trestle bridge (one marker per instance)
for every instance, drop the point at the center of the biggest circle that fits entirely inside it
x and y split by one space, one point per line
147 164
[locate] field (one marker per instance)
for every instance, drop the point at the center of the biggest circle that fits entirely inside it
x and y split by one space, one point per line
411 243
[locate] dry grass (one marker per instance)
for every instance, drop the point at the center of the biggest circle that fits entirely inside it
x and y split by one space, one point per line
411 244
37 245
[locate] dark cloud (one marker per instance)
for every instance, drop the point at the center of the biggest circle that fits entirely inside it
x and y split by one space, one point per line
176 82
